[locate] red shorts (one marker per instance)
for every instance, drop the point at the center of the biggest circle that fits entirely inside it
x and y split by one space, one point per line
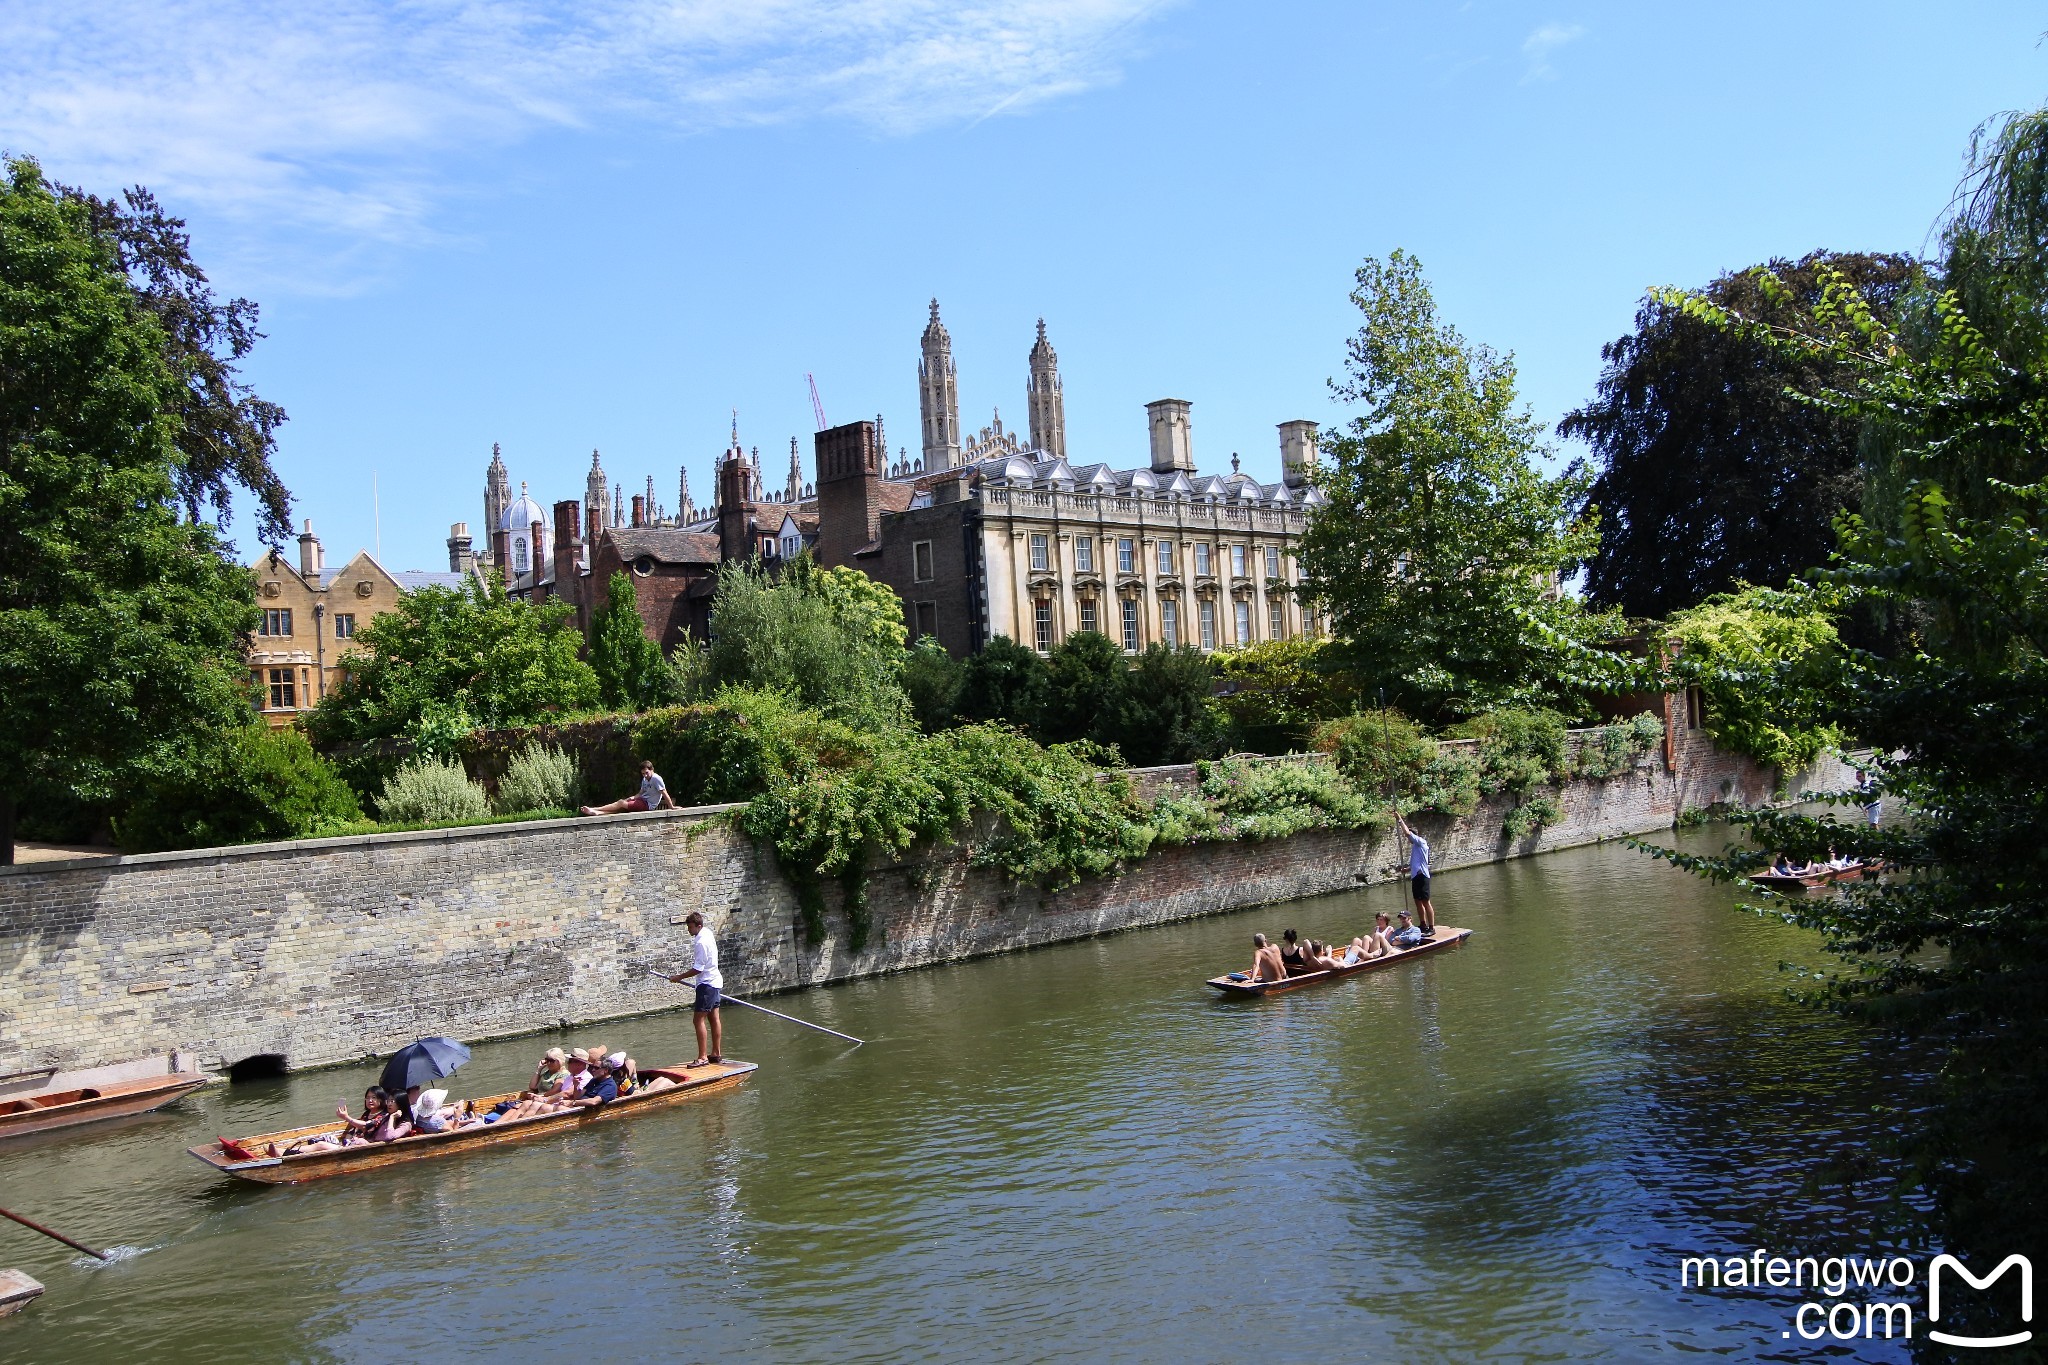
635 803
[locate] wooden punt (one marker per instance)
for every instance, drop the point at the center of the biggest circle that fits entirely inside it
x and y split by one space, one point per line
1445 938
1801 883
116 1099
333 1161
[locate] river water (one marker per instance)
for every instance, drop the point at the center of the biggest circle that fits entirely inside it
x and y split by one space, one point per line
1498 1151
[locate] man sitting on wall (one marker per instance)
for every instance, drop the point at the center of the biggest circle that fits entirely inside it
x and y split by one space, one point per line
653 795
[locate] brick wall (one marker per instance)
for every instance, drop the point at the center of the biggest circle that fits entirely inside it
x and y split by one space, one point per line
324 952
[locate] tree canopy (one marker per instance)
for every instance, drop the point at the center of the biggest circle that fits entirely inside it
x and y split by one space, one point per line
1714 466
1442 545
832 638
631 674
122 627
449 660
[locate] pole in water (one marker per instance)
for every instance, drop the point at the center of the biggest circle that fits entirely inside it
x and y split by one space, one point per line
52 1235
734 999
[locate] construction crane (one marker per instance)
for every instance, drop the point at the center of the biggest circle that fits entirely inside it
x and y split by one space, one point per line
817 408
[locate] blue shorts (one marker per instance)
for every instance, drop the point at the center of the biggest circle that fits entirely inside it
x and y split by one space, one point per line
707 998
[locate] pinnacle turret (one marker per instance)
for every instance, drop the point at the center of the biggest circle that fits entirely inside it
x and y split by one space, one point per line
938 396
1045 404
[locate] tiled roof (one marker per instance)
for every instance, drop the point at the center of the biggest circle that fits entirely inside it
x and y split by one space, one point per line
664 544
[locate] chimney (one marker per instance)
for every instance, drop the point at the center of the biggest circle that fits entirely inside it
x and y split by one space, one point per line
1297 453
461 556
310 559
1173 441
849 491
639 511
735 528
568 551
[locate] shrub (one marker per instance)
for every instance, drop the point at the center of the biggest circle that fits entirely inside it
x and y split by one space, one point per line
1520 748
539 778
1278 691
1386 756
932 679
1274 800
1006 683
1172 716
1089 693
245 785
1531 816
1751 653
429 791
1613 749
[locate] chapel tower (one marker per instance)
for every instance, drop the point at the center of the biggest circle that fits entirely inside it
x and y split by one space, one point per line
597 497
497 492
938 397
1047 409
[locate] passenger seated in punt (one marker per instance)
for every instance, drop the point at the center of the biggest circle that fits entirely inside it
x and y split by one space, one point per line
1370 945
553 1069
381 1121
1320 958
1407 935
431 1113
1266 963
1293 956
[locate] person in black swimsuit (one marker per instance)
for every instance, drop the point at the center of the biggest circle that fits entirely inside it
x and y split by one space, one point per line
1293 956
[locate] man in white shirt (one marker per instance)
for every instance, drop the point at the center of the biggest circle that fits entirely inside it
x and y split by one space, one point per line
1418 876
704 967
653 795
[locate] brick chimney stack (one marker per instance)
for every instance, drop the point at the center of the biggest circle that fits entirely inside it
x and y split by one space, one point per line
568 556
849 491
311 560
735 534
639 511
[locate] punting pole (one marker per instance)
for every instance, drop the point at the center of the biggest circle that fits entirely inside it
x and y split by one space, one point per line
722 996
55 1236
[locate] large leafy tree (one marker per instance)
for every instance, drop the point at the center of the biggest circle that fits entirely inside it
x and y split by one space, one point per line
451 659
1443 541
832 638
1953 948
1715 467
122 627
1004 681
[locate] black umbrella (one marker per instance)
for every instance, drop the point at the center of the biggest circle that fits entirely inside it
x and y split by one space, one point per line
417 1063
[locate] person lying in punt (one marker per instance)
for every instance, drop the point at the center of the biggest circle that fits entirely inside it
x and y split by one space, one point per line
1369 945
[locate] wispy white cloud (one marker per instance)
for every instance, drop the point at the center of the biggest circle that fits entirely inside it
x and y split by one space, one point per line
340 118
1540 46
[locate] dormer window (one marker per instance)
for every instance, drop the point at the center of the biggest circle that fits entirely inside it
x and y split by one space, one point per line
519 555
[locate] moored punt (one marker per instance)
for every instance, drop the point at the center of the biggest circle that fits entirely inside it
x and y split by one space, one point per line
323 1162
49 1109
1445 938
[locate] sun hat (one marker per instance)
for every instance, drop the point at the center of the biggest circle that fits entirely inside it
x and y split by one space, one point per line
579 1055
429 1103
615 1060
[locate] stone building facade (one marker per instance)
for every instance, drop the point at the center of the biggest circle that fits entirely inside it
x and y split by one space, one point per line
310 616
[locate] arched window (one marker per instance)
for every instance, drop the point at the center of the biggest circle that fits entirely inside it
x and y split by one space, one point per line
519 555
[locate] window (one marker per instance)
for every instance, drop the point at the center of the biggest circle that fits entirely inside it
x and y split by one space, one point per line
519 555
344 625
927 619
1088 616
1244 623
1165 556
1169 624
1207 612
1126 556
276 621
921 562
1237 561
1272 561
284 695
768 544
1041 620
1041 555
1276 618
1695 708
791 545
1201 559
1084 554
1130 623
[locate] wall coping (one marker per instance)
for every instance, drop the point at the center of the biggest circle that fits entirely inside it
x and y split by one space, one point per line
342 842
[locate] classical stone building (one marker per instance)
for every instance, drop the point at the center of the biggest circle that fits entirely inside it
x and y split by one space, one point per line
1006 536
310 616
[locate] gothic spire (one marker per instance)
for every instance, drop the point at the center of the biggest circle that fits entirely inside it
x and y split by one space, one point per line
795 488
1045 404
938 396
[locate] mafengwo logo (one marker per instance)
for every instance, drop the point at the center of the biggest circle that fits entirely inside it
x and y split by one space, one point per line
1864 1297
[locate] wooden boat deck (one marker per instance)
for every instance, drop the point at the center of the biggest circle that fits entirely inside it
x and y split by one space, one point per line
325 1162
1799 883
1446 937
60 1109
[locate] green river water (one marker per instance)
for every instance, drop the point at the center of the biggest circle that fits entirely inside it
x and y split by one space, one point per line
1500 1151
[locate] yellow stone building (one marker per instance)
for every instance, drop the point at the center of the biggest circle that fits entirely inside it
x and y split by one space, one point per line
310 616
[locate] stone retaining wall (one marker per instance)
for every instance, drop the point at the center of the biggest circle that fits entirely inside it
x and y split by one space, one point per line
324 952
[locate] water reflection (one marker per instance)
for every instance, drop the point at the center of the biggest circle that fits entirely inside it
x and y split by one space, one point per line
1071 1154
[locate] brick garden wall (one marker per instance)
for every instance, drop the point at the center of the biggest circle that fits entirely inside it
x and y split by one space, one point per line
324 952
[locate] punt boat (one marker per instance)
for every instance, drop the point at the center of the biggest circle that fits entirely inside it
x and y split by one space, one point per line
117 1099
1800 883
323 1162
1445 938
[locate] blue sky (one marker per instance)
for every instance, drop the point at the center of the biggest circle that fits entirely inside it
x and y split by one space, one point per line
477 223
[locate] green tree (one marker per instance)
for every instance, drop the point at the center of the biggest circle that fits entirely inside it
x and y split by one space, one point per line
1442 544
245 785
1754 654
448 660
832 638
122 628
1088 692
1951 949
1172 717
631 674
1277 691
1708 440
931 678
1004 681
